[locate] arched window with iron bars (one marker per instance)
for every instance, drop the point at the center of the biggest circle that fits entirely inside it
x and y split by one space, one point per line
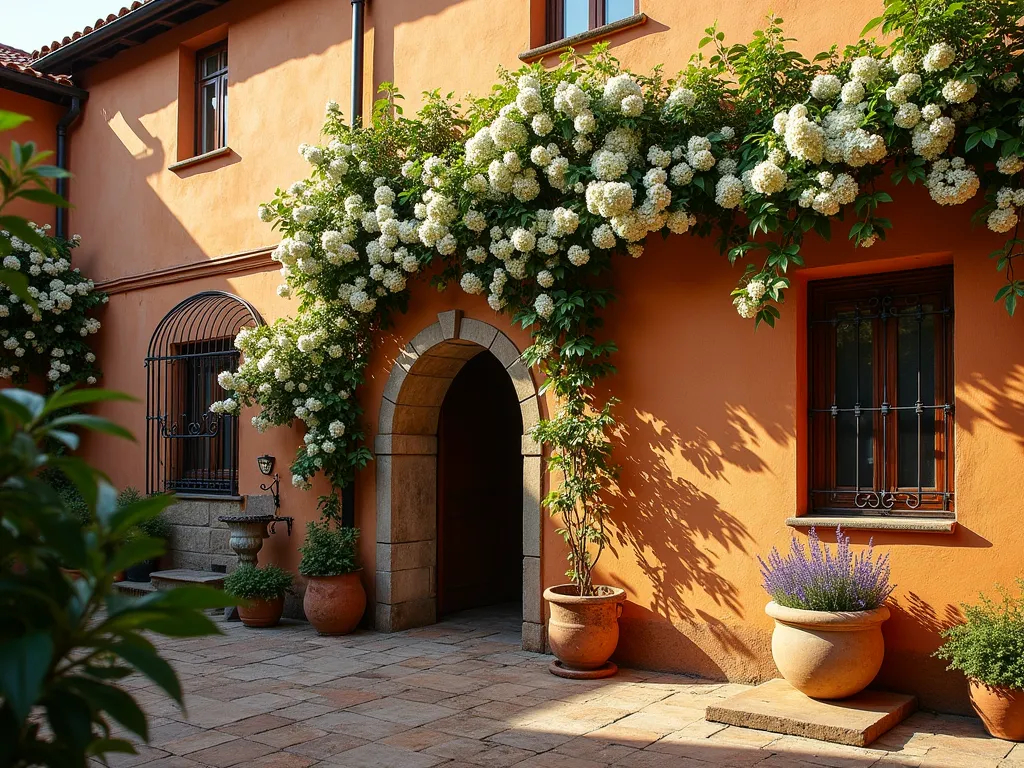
190 450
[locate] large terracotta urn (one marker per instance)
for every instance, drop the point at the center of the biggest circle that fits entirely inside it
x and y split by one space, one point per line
583 631
334 605
825 654
1001 710
261 613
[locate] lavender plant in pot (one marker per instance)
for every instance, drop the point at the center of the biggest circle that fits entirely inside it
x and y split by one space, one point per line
828 610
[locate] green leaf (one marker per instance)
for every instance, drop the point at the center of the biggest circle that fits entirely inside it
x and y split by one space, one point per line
143 656
11 120
24 662
1011 303
17 283
112 701
32 403
69 398
45 197
93 423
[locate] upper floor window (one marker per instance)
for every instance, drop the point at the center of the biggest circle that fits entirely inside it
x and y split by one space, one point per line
189 449
212 98
881 392
571 17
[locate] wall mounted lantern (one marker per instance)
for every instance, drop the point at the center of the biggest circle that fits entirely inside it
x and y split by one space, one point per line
266 465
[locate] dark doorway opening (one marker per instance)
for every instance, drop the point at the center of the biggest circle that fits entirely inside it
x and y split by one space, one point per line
479 490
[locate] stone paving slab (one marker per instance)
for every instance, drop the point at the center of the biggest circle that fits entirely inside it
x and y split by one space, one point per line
778 707
462 694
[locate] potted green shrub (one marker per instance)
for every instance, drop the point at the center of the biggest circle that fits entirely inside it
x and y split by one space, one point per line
262 591
583 627
155 527
335 599
989 649
828 610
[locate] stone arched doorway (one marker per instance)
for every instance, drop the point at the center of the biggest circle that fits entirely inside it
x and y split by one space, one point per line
406 447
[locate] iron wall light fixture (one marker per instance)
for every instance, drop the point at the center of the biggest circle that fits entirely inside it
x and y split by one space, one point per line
266 465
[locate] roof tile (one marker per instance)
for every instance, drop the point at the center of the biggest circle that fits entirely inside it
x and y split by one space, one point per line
21 61
98 23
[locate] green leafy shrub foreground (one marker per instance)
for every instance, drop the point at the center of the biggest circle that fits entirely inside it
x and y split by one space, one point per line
530 194
989 645
329 550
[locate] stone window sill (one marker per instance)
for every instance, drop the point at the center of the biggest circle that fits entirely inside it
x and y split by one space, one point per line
199 159
591 35
915 524
206 497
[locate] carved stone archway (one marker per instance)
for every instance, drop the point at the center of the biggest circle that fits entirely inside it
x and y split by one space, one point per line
406 449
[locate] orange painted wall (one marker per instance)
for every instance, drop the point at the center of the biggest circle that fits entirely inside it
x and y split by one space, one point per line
711 411
41 129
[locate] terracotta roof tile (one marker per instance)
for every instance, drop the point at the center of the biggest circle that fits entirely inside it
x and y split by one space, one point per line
21 61
99 23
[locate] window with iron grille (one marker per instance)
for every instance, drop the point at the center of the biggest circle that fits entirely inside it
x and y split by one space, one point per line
571 17
189 449
212 98
881 394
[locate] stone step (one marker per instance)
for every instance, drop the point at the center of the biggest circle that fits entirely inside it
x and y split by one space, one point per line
134 588
180 577
778 707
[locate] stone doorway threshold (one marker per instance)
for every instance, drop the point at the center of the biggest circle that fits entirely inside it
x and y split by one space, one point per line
778 707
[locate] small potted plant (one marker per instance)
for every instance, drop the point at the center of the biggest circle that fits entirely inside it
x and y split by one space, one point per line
828 611
583 627
989 649
262 592
335 599
155 528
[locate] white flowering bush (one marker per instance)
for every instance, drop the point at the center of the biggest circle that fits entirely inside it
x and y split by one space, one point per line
50 340
542 184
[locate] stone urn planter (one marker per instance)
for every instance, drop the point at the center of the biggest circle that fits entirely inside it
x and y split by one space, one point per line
261 613
334 605
827 655
583 631
247 533
1001 709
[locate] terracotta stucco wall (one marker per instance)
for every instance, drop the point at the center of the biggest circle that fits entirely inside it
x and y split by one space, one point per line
712 448
41 129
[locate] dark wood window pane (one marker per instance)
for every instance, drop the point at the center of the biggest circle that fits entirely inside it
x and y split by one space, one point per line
575 17
223 111
915 383
854 386
211 65
210 117
615 10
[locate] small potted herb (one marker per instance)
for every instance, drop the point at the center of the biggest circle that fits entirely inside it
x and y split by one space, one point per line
989 649
828 610
262 591
154 527
335 599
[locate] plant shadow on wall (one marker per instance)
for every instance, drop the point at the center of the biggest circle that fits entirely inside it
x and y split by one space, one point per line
994 400
677 531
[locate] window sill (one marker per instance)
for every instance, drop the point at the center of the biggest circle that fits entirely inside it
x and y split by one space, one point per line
207 497
591 35
915 524
199 159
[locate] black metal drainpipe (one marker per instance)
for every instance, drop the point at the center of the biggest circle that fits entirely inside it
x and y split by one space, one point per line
62 160
357 62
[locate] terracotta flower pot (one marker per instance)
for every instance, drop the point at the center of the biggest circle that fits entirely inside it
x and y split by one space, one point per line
583 631
1000 709
261 613
334 605
827 655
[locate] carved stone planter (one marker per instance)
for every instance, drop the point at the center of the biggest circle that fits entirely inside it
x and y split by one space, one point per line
247 533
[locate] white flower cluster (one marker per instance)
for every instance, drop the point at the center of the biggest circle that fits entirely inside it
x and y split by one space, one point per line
952 182
49 334
1005 216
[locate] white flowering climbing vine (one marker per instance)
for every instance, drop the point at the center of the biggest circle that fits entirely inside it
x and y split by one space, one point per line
539 187
49 341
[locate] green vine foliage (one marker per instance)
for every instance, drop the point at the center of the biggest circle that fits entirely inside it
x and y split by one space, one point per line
532 193
989 645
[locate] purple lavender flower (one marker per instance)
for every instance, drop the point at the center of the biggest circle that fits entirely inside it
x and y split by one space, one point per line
819 580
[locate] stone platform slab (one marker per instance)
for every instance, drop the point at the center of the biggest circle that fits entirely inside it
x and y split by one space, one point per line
179 577
778 707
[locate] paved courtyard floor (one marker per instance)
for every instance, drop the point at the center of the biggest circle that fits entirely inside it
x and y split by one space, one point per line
461 694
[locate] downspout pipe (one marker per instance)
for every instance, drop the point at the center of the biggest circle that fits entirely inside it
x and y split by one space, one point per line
356 110
62 160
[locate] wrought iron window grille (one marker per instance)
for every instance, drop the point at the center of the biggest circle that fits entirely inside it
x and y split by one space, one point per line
189 449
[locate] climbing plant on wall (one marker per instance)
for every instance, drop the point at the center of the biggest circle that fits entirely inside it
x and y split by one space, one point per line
542 185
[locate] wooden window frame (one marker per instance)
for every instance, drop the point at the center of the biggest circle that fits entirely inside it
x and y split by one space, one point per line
219 80
556 18
868 297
